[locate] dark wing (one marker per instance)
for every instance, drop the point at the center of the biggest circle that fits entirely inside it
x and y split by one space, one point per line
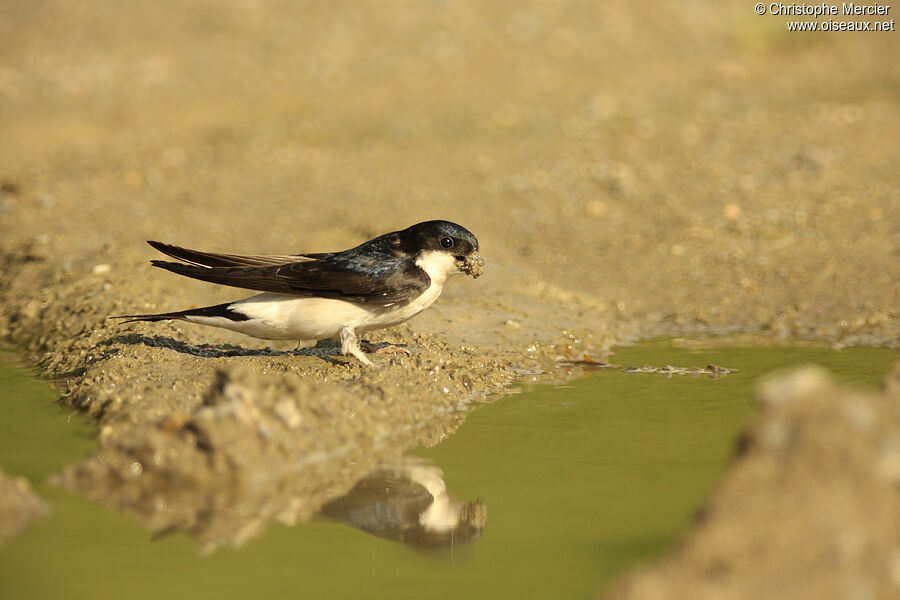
352 275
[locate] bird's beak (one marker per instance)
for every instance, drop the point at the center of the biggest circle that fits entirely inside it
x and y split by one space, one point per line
471 264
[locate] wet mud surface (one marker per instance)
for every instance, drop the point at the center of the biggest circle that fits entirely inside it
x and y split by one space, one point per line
717 176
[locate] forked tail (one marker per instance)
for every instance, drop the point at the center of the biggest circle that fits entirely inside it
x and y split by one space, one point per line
219 310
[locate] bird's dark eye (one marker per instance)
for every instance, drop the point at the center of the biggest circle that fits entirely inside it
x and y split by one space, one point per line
447 242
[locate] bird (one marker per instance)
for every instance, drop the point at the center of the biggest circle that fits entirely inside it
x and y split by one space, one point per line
332 295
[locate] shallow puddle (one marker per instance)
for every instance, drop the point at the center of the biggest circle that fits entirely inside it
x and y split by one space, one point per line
574 483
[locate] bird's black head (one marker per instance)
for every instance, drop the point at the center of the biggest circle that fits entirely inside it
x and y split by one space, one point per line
442 236
445 237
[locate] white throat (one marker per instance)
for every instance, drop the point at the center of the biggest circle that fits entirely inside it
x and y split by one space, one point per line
438 265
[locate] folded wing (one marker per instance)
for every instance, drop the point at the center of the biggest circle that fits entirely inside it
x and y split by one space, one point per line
350 275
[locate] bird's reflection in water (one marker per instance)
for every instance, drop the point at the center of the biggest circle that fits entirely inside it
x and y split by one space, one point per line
408 501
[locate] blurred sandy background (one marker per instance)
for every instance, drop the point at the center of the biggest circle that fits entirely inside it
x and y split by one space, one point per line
683 164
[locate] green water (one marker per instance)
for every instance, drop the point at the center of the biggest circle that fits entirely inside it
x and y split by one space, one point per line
580 482
37 435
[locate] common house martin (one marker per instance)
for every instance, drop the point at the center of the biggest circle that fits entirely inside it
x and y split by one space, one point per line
308 297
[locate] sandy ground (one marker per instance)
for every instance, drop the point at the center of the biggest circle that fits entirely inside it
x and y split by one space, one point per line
630 171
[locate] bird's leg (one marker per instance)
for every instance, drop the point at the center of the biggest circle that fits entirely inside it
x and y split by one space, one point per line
350 345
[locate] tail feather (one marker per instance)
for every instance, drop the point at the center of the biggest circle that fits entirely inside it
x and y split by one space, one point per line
156 317
219 310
